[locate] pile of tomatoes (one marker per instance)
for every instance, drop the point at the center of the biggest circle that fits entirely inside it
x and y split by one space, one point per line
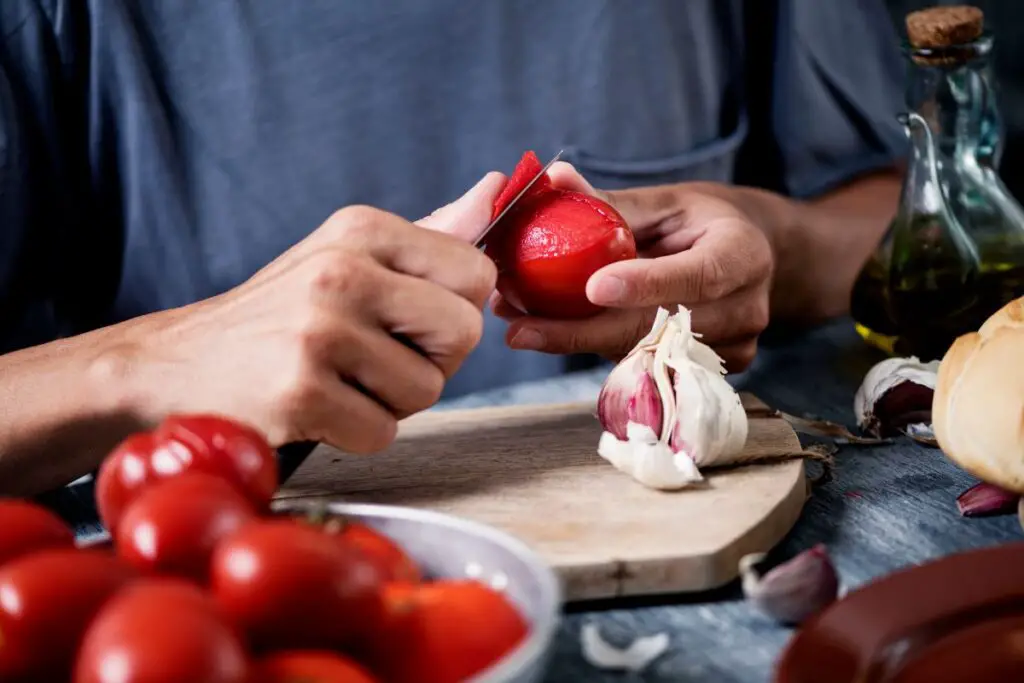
202 583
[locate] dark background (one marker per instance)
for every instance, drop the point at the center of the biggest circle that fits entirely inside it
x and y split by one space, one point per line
1005 20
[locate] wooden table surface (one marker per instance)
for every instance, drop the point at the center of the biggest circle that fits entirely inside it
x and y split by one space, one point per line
888 507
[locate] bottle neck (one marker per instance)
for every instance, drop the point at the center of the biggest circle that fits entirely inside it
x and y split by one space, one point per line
953 89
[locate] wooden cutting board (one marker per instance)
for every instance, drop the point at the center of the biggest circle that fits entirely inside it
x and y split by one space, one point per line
534 472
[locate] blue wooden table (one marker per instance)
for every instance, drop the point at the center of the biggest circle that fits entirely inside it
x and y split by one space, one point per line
887 507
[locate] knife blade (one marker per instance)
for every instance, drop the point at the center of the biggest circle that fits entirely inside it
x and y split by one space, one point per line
497 219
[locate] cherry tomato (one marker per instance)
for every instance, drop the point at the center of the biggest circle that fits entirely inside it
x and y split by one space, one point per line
46 601
26 527
443 631
549 247
229 449
391 561
288 585
215 445
173 526
161 631
309 666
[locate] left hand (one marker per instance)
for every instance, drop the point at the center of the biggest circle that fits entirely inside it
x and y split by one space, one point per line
696 248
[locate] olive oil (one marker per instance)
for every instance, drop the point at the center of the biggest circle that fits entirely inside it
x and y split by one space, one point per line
954 253
933 310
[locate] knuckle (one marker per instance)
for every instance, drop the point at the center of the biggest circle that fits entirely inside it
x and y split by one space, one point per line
745 355
430 389
711 280
376 434
759 317
467 329
482 275
355 221
299 397
338 272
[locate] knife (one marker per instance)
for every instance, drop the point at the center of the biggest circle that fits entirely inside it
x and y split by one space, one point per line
480 239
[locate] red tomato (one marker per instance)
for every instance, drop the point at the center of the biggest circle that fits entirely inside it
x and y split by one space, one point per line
161 631
549 247
172 527
443 632
26 527
46 601
526 170
205 443
309 666
387 556
289 585
229 449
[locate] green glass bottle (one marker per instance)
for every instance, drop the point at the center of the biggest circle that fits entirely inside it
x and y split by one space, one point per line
954 253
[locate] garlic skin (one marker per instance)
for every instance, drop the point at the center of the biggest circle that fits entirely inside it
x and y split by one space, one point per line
794 590
985 500
667 410
603 655
895 393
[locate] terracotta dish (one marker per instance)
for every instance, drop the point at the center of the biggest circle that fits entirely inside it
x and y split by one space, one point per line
959 619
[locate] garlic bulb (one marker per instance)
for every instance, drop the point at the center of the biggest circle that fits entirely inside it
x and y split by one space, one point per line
979 400
667 410
895 393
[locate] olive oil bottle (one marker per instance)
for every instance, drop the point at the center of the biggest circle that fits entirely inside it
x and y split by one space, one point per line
954 253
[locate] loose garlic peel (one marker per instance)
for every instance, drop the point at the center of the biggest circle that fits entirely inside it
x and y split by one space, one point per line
701 414
885 376
603 655
978 408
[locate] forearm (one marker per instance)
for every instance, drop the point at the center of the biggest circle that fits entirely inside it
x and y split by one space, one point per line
820 245
63 406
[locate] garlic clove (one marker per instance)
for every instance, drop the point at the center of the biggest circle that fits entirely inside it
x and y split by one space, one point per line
603 655
711 423
644 406
646 459
895 393
614 399
986 500
794 590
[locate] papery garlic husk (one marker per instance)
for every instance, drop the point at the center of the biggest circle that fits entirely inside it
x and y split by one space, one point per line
634 658
794 590
895 393
667 410
986 500
978 409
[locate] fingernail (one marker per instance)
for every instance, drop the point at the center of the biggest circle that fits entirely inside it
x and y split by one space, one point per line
609 290
527 339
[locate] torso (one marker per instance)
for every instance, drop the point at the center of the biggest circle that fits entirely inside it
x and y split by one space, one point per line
221 132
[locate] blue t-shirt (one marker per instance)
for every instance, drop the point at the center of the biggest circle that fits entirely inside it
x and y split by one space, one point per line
157 152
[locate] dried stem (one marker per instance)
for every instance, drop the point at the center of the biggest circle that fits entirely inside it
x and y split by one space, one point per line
815 427
819 453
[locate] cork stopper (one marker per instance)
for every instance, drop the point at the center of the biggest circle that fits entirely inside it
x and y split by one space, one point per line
939 27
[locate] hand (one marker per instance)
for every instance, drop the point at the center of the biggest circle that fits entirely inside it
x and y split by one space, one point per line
696 248
352 329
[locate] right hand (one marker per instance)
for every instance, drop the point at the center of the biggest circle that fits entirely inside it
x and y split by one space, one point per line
355 327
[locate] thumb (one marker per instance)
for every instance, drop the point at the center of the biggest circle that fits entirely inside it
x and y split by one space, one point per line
564 176
468 216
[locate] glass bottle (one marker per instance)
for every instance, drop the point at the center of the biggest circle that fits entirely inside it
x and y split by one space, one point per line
954 253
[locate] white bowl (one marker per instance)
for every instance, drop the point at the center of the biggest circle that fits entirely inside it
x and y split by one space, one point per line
450 547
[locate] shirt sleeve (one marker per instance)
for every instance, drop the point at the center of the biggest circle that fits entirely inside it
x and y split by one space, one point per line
838 87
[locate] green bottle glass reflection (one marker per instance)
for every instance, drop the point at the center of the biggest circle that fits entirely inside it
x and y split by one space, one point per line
954 253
